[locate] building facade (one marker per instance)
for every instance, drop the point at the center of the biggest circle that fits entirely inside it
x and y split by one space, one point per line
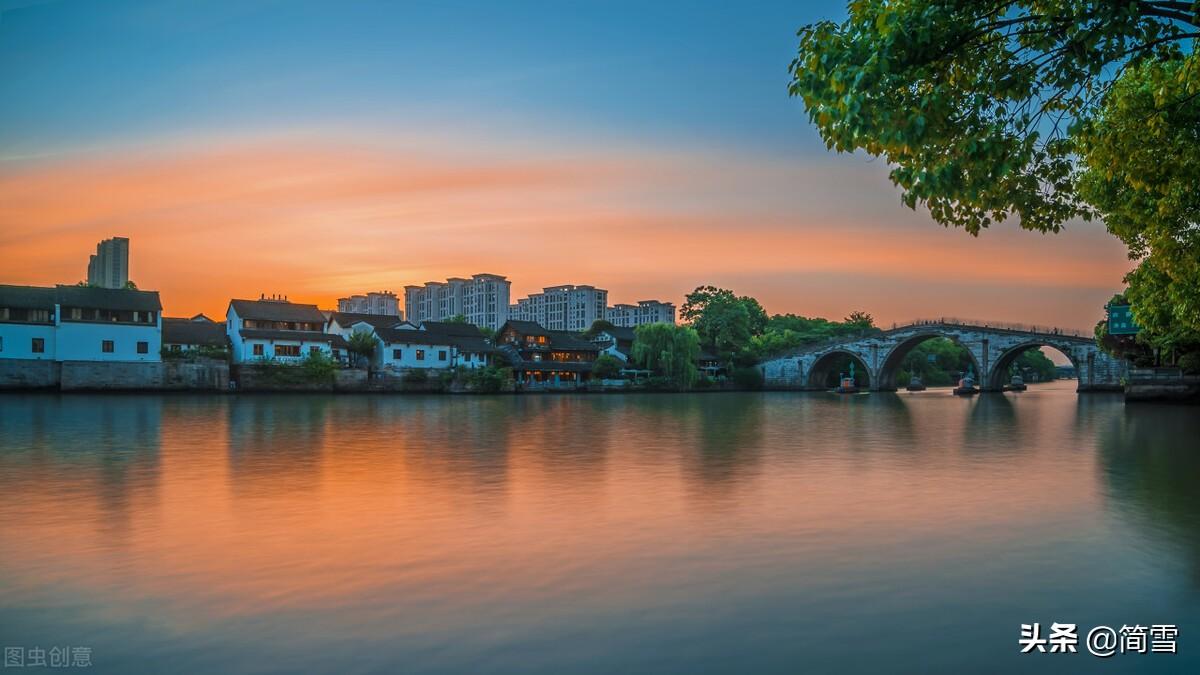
79 323
565 308
279 330
645 311
384 303
482 299
109 267
545 359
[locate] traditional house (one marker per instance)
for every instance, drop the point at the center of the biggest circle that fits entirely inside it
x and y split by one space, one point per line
273 328
404 347
186 335
616 341
543 358
471 349
79 323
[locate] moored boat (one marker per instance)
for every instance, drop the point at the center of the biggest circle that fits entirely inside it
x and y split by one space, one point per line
1017 384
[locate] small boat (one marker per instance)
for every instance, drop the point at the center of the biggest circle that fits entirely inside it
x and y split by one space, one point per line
846 386
1017 384
915 384
966 387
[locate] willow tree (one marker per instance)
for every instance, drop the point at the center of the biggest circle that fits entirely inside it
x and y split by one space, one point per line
990 109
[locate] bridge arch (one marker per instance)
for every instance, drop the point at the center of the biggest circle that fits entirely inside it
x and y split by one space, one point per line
890 369
999 375
826 364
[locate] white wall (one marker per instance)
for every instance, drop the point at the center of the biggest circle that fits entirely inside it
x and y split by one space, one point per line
408 356
82 341
18 341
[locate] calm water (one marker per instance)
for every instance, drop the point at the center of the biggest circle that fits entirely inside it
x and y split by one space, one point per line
705 533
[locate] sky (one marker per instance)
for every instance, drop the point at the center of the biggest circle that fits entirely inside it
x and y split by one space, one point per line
320 149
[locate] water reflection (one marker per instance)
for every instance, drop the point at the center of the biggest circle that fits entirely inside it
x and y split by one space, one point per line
732 532
1151 467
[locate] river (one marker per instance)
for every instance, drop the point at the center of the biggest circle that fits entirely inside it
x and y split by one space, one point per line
739 533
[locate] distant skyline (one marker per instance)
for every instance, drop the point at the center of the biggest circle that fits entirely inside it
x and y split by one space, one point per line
323 149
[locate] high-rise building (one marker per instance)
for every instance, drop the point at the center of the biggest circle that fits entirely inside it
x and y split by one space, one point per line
109 268
482 299
646 311
566 307
383 303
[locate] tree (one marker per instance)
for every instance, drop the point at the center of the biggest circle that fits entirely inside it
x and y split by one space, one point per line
457 318
1048 110
1142 169
974 103
860 320
599 326
722 320
668 350
607 367
362 344
130 286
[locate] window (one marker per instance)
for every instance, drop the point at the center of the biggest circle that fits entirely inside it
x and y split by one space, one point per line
314 350
287 350
1 343
396 354
176 348
38 346
420 354
106 346
441 355
258 350
143 347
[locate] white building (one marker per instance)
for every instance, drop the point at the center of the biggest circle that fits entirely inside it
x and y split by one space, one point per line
109 268
566 307
645 311
482 299
376 302
275 329
402 346
79 323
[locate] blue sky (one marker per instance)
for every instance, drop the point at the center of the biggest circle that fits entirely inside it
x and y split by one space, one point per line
84 72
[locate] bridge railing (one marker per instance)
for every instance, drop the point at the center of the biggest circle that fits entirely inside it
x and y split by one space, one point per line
1000 325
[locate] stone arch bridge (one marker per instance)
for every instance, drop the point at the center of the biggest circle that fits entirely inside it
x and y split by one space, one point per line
993 347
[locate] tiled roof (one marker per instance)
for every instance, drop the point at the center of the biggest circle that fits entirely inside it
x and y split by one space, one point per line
451 328
42 297
525 327
412 337
275 310
566 340
377 321
27 297
192 332
108 298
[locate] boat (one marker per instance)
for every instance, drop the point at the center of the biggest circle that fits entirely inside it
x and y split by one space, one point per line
846 386
1017 384
915 384
966 386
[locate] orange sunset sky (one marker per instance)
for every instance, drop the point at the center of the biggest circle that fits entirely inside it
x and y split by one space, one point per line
322 159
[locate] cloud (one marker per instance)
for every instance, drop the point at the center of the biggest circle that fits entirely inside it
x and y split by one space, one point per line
317 216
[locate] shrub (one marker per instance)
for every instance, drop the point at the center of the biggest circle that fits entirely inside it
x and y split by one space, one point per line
318 367
607 367
415 376
490 379
748 378
1190 363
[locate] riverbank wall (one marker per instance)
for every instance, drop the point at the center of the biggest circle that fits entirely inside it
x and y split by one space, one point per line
35 374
